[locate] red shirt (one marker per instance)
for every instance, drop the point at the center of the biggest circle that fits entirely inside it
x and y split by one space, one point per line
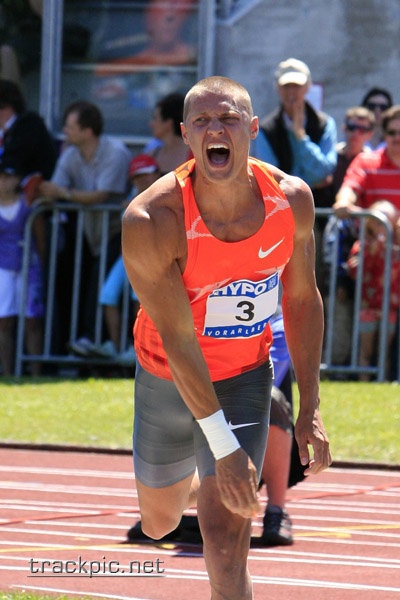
373 176
232 287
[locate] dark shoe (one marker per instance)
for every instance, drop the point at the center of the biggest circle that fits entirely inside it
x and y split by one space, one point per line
135 534
277 528
190 530
187 531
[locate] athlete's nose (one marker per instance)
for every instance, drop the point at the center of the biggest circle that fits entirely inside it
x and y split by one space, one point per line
215 126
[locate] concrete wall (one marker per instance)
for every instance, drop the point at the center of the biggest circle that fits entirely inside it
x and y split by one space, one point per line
349 46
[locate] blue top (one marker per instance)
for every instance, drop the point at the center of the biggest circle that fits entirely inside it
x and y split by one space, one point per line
279 351
311 162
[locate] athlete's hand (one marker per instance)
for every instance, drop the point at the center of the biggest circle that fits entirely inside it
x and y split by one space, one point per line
310 431
237 483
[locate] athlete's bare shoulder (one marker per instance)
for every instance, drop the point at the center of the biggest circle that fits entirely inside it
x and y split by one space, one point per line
163 194
298 194
154 221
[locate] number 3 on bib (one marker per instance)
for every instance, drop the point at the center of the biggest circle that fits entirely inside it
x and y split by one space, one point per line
242 308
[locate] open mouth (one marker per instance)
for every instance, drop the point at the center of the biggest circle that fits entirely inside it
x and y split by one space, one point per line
218 154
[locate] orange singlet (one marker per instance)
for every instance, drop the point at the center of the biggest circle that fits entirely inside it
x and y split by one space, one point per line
232 286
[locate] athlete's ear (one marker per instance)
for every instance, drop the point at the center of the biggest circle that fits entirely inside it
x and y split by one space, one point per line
184 134
254 128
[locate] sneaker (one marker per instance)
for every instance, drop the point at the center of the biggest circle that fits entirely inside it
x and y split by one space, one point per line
127 358
105 350
188 531
83 347
135 534
277 528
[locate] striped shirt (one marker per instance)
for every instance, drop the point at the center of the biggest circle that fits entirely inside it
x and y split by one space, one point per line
373 176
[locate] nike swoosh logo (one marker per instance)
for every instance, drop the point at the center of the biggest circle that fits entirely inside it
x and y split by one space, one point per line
263 254
232 427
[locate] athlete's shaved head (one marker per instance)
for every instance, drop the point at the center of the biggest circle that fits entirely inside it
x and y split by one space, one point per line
219 85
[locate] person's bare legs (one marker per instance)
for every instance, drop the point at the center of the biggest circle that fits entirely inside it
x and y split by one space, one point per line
276 467
7 345
9 66
161 508
226 541
34 342
112 317
367 342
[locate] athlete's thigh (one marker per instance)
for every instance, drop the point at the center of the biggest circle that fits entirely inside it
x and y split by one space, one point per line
245 400
163 432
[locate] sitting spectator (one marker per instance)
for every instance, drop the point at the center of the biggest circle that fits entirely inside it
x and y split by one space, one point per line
166 127
143 171
14 213
26 139
373 253
357 128
92 169
371 172
377 100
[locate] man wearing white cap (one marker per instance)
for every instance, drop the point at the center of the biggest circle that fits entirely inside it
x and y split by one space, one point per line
300 141
295 137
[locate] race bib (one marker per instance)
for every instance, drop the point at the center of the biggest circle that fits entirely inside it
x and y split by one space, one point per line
242 308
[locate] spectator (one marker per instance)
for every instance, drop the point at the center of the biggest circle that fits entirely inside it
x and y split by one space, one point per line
143 171
282 467
371 172
92 169
300 140
166 126
357 128
373 270
14 212
25 137
377 100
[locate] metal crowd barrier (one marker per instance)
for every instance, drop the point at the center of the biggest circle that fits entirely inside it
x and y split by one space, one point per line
351 367
58 211
56 214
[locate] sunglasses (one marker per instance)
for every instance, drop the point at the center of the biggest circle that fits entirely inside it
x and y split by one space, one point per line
377 105
354 127
392 132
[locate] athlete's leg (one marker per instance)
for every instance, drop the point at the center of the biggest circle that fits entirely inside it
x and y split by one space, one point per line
245 400
226 539
161 508
165 464
276 467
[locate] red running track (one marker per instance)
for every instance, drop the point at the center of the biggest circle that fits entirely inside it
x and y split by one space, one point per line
69 511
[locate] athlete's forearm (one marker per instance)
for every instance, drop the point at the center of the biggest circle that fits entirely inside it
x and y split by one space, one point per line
304 327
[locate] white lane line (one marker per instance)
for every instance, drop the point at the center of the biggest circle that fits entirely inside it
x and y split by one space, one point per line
39 532
21 502
67 472
67 489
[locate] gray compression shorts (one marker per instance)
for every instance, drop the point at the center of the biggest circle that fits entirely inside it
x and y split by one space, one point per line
168 444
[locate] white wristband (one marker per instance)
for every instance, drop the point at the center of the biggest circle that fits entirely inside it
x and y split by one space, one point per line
220 438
